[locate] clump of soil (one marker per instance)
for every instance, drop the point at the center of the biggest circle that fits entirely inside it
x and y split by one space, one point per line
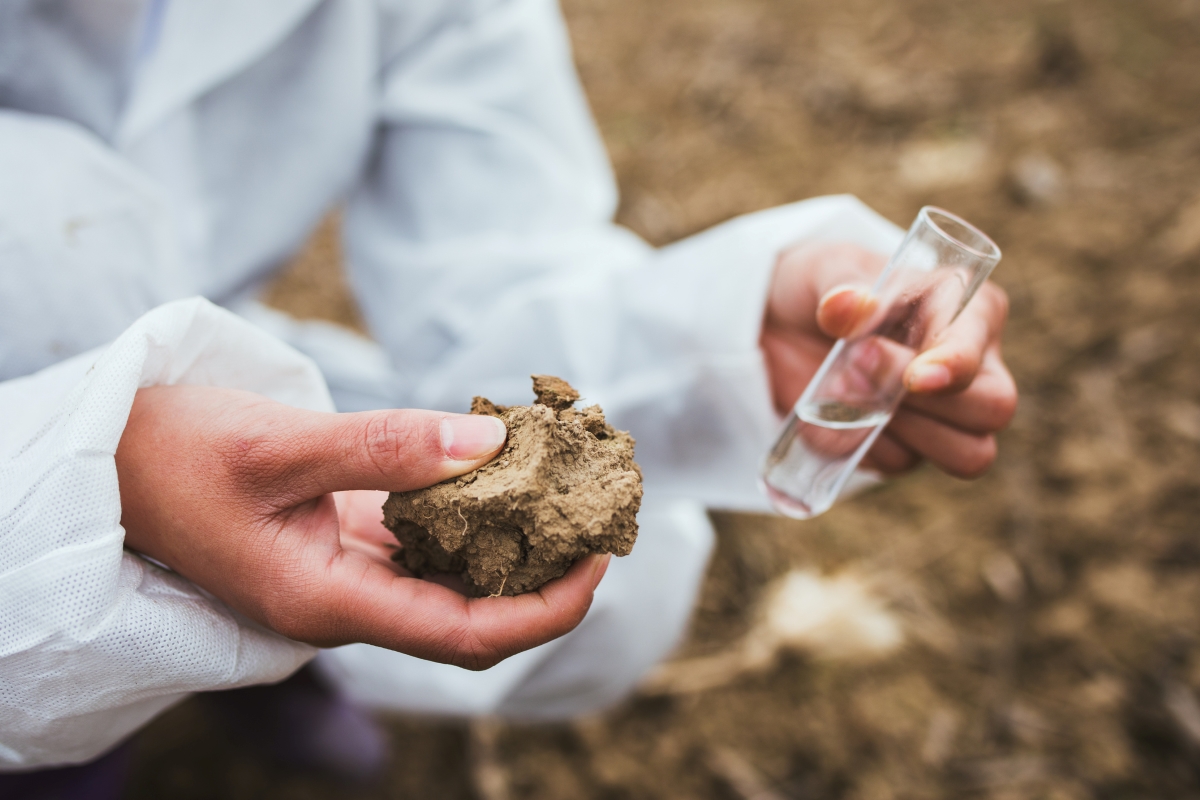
564 486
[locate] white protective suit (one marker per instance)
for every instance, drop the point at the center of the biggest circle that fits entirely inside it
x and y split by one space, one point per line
153 151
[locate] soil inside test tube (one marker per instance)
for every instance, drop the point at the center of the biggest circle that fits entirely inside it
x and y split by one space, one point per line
841 414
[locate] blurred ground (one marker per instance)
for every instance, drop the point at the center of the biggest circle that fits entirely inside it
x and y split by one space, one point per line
1052 608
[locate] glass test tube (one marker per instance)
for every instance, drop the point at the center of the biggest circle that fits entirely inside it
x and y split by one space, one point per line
927 282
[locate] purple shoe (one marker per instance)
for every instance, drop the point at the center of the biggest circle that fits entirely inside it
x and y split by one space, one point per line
302 723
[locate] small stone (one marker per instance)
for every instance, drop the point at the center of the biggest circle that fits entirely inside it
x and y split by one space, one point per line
554 392
1037 179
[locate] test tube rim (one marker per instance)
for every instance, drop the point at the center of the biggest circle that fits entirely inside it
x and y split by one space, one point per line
925 214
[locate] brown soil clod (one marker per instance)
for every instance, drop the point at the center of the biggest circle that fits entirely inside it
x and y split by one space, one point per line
564 486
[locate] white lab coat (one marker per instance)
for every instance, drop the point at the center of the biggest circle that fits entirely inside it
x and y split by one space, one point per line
153 151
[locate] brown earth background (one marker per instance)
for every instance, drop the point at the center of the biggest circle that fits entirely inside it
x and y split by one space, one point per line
1052 607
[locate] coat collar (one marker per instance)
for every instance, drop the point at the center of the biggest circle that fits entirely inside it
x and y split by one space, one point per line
200 44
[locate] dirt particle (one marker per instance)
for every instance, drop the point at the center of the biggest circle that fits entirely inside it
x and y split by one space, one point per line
554 392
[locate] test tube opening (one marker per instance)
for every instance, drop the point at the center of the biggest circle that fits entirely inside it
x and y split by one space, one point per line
961 233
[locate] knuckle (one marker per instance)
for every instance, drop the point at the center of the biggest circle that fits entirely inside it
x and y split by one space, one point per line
1004 408
793 256
832 258
840 252
896 462
996 403
386 441
851 261
963 365
977 459
468 651
1000 301
252 458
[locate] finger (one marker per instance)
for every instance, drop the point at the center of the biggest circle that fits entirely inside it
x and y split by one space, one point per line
844 309
791 359
951 364
429 621
395 450
806 275
986 406
889 456
957 452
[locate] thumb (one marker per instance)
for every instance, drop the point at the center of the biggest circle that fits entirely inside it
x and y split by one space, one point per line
394 450
432 622
845 310
826 284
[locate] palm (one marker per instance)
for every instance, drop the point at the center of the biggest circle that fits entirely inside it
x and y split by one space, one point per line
360 527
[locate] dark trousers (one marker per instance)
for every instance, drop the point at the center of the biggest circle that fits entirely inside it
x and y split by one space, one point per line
102 779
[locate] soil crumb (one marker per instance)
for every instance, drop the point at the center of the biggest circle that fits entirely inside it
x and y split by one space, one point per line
564 486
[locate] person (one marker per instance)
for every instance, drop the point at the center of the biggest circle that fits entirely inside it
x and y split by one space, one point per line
181 510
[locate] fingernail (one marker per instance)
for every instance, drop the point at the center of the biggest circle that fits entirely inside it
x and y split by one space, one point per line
467 437
847 297
928 377
599 568
843 307
843 288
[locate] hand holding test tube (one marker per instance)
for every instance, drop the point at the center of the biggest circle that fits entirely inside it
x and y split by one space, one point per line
928 281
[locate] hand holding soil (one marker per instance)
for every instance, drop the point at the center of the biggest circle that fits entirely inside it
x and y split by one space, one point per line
565 486
237 493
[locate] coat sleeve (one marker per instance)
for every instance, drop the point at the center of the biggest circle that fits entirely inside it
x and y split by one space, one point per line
86 243
94 641
482 248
